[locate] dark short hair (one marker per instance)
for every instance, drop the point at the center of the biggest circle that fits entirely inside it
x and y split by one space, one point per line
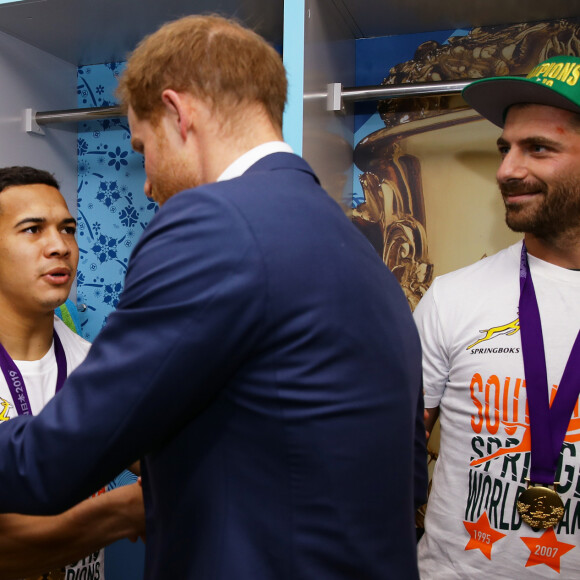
23 175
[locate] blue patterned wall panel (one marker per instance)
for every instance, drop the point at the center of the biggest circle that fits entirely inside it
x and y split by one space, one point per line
112 213
112 209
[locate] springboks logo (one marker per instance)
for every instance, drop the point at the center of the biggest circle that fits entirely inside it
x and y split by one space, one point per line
507 329
4 408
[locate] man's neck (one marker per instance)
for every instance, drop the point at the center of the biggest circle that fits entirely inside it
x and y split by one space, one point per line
222 148
563 251
26 338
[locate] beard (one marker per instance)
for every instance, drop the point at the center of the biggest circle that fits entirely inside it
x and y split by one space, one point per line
171 179
172 174
554 211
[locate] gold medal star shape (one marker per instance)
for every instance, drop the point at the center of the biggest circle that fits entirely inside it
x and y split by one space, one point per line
546 550
482 536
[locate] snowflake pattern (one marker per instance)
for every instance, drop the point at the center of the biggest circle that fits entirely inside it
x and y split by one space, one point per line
108 193
105 248
112 293
129 216
112 209
118 158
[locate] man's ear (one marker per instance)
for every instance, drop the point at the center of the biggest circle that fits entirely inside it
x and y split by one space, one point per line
177 108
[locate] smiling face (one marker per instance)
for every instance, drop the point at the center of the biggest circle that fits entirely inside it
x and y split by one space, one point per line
539 176
38 250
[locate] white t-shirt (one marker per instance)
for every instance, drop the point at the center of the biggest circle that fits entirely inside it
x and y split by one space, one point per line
40 381
473 370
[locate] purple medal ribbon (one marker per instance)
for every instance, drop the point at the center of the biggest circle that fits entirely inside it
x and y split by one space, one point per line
16 382
548 425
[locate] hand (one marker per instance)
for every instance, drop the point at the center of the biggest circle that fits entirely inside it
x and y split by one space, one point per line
132 510
141 535
430 416
135 468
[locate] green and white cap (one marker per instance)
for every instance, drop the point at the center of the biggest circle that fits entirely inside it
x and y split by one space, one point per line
554 82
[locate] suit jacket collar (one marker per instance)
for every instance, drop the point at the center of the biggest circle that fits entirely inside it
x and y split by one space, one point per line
282 161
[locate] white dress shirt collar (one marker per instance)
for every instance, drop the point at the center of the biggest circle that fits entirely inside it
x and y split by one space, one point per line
241 164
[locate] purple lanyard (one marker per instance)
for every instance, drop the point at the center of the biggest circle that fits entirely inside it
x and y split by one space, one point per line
16 382
548 425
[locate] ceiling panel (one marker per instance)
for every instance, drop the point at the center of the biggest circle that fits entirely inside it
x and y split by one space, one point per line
97 31
372 18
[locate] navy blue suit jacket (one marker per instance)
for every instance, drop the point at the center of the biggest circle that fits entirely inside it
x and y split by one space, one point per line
264 365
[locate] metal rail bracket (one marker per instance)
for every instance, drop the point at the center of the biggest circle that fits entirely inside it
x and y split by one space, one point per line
30 124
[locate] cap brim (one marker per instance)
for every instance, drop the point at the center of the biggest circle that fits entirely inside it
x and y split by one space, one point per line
492 97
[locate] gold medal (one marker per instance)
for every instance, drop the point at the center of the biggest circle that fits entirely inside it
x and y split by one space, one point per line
540 507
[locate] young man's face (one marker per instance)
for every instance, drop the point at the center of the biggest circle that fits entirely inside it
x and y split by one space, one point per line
539 176
38 250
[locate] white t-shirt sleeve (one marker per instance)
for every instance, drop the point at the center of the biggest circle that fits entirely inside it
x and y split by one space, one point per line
435 355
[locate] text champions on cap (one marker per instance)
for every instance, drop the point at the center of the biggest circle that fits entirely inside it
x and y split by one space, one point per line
548 72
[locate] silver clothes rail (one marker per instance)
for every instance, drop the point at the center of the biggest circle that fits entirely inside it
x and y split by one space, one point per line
33 121
336 95
73 115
